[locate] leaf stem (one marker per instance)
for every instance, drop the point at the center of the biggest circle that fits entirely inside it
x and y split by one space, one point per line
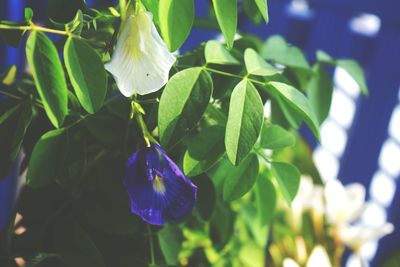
19 98
151 242
33 27
233 75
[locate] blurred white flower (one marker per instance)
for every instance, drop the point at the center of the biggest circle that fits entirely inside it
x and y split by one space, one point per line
318 258
355 236
141 61
343 204
309 197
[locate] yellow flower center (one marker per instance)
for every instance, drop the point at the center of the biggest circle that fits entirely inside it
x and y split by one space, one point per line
158 184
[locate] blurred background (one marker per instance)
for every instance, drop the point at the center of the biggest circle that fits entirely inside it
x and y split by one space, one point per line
361 137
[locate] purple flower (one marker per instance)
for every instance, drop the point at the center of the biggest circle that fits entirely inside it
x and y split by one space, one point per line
158 190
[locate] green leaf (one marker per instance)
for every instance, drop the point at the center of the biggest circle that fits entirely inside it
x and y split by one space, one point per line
256 65
176 20
8 77
216 53
355 71
206 197
107 207
277 50
204 150
182 103
295 99
275 137
47 161
152 6
226 13
49 76
320 89
263 7
288 178
87 74
241 179
170 239
351 66
252 11
28 14
76 25
266 198
75 246
13 126
246 115
252 255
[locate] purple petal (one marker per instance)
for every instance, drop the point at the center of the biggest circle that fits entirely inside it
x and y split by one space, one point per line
157 188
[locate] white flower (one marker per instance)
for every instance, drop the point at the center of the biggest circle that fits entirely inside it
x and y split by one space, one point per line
318 258
309 197
355 236
343 204
141 60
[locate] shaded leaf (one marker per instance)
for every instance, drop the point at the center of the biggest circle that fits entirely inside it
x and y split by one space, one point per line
226 13
246 114
206 197
277 50
216 53
263 7
266 198
87 74
182 103
256 65
275 137
204 150
176 19
47 161
297 101
49 76
288 178
241 178
320 89
13 126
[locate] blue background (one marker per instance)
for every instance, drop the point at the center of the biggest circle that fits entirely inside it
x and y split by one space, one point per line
325 26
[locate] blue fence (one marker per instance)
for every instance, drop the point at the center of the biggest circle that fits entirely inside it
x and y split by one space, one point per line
333 26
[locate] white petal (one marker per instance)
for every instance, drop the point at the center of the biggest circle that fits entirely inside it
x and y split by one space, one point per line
141 61
290 263
344 204
356 236
355 194
319 258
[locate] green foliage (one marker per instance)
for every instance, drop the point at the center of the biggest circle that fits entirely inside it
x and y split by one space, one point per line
49 76
87 74
182 103
244 121
240 179
275 137
226 12
47 162
216 53
176 19
13 125
204 150
77 132
288 178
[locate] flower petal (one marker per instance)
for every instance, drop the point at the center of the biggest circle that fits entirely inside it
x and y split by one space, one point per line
319 258
157 188
141 61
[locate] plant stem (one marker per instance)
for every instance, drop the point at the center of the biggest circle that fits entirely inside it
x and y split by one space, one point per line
19 98
152 255
233 75
33 27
